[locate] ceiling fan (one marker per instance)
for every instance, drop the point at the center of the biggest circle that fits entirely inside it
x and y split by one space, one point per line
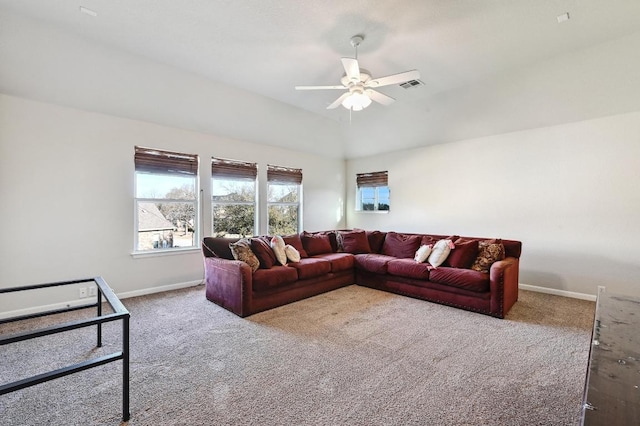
360 84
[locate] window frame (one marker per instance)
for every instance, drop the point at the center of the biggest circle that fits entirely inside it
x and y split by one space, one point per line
239 171
377 181
157 162
279 175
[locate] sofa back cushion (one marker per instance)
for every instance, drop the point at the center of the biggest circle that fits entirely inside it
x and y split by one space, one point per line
316 243
295 241
401 245
355 242
263 251
376 240
218 247
463 254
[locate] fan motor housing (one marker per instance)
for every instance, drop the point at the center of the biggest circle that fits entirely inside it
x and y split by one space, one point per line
364 77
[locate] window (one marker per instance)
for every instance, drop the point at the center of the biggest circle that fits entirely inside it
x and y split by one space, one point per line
233 200
166 200
372 191
283 200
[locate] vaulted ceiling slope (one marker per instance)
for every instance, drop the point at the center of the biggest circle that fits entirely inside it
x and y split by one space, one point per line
230 67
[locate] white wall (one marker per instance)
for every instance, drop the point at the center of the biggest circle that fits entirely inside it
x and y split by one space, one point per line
570 193
66 191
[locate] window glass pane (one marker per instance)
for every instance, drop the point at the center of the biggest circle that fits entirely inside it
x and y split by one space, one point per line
165 186
282 193
368 197
283 220
233 190
166 225
233 220
383 198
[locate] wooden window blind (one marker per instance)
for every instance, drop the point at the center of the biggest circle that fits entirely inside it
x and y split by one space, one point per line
166 162
284 174
223 168
372 179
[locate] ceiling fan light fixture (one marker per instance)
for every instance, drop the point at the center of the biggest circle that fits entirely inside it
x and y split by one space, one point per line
357 101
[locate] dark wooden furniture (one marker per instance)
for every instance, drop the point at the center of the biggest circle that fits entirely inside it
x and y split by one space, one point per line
120 313
612 388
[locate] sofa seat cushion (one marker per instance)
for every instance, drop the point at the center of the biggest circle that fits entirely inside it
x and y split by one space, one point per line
339 261
408 268
376 263
311 267
461 278
278 276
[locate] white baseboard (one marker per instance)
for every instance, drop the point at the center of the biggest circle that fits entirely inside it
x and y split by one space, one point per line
160 289
80 302
564 293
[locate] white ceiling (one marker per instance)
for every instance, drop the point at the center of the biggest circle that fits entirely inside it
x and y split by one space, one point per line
489 66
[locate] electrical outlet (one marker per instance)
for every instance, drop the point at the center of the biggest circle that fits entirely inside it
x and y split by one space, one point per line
82 292
92 291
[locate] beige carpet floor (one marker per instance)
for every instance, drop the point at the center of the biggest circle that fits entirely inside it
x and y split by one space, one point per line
354 356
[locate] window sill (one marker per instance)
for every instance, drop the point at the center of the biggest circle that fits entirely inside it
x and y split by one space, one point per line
164 252
373 211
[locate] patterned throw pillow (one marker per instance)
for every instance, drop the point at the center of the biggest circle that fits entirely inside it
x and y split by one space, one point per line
241 250
277 245
489 252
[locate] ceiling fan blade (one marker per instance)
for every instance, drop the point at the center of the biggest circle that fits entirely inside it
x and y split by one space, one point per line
394 79
351 68
319 87
379 97
338 101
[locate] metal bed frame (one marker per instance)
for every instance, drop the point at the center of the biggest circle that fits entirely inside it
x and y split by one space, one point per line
119 313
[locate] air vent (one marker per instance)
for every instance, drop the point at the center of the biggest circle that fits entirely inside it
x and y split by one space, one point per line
412 83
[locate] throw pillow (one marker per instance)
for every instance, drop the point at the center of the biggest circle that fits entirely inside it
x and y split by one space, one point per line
241 250
463 254
277 245
355 242
295 241
488 253
440 252
316 243
292 254
263 252
401 245
422 254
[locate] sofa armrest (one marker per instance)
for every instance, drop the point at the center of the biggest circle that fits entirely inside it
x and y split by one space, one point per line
228 284
503 284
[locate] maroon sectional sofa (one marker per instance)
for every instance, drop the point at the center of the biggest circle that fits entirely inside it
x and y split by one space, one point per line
380 260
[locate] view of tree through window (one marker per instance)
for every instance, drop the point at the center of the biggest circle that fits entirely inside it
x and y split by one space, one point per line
372 191
166 211
283 200
375 198
166 199
234 207
233 197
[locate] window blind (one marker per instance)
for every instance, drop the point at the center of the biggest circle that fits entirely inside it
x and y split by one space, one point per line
372 179
225 168
166 162
284 174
